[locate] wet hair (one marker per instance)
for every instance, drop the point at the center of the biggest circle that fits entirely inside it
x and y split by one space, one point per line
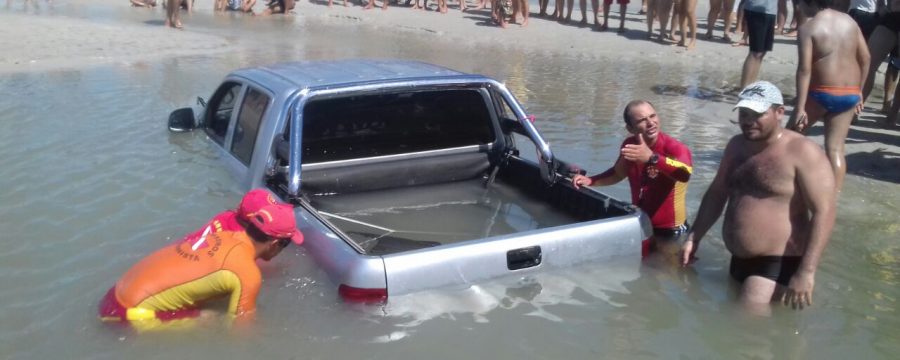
626 115
821 4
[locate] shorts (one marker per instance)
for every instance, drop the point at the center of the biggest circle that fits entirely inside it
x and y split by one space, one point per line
891 21
620 2
867 21
894 61
776 268
761 30
661 235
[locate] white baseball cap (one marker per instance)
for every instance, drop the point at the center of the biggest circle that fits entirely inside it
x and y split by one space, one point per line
759 97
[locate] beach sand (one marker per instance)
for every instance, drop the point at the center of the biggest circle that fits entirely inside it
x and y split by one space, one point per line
45 42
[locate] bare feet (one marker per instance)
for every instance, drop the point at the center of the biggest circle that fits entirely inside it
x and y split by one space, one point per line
709 35
583 22
524 22
691 44
604 27
739 43
621 30
792 33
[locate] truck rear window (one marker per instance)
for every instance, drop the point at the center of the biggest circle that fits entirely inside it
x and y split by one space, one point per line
387 124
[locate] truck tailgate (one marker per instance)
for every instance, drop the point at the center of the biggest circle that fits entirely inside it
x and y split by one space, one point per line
519 253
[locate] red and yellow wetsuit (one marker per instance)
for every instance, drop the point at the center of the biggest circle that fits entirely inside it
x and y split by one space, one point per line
660 190
216 260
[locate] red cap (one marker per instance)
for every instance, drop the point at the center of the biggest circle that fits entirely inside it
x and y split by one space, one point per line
269 216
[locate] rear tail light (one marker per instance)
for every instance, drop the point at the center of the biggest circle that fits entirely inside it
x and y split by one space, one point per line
645 248
362 295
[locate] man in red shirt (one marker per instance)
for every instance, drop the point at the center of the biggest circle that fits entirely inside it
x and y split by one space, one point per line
658 168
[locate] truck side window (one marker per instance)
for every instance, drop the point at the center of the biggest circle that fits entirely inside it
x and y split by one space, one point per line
221 105
252 110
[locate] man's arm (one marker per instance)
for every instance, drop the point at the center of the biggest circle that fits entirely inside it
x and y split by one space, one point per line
677 164
798 120
611 176
815 181
864 59
711 207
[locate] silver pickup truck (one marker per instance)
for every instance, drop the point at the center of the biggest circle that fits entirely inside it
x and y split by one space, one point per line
407 176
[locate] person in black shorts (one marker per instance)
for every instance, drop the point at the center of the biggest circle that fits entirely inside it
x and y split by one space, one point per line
759 16
884 39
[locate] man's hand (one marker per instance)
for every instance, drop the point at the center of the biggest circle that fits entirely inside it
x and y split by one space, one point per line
800 289
688 251
639 152
801 121
859 107
581 180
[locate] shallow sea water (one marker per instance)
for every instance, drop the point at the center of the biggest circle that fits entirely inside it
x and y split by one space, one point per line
92 181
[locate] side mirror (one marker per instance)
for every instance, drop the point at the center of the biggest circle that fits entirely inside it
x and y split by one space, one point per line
182 120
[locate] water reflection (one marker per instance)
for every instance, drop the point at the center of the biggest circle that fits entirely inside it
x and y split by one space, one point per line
92 181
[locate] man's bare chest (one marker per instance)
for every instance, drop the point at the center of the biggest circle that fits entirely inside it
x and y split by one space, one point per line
762 175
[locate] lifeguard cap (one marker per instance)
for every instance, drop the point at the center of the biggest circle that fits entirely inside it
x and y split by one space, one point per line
273 218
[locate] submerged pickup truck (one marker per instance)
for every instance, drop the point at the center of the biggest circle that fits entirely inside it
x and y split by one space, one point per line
407 176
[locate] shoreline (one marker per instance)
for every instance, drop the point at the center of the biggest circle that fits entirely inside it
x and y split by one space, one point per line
67 39
62 41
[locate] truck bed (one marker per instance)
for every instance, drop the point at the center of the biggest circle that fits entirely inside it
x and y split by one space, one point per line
394 220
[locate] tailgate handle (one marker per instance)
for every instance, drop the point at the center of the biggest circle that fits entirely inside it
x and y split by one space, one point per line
523 258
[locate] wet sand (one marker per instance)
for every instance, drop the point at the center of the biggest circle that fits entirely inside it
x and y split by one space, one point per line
55 42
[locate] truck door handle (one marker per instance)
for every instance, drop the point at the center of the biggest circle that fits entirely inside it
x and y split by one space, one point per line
523 258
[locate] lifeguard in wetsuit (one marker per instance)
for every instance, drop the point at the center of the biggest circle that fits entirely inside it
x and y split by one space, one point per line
217 260
658 168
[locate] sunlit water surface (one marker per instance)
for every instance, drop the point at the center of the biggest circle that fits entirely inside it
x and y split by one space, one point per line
92 181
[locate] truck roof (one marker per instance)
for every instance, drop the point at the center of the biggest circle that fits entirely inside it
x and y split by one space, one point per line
308 74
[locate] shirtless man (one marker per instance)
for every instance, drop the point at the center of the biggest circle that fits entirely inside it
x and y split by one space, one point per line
834 60
780 197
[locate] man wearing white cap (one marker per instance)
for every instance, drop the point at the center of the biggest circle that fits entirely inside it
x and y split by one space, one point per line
778 193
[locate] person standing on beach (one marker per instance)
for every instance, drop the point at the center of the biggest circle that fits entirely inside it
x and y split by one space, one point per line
760 19
658 168
623 5
885 39
173 14
658 9
833 62
687 20
777 191
717 9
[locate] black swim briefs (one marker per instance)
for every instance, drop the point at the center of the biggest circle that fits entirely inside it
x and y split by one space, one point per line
777 268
